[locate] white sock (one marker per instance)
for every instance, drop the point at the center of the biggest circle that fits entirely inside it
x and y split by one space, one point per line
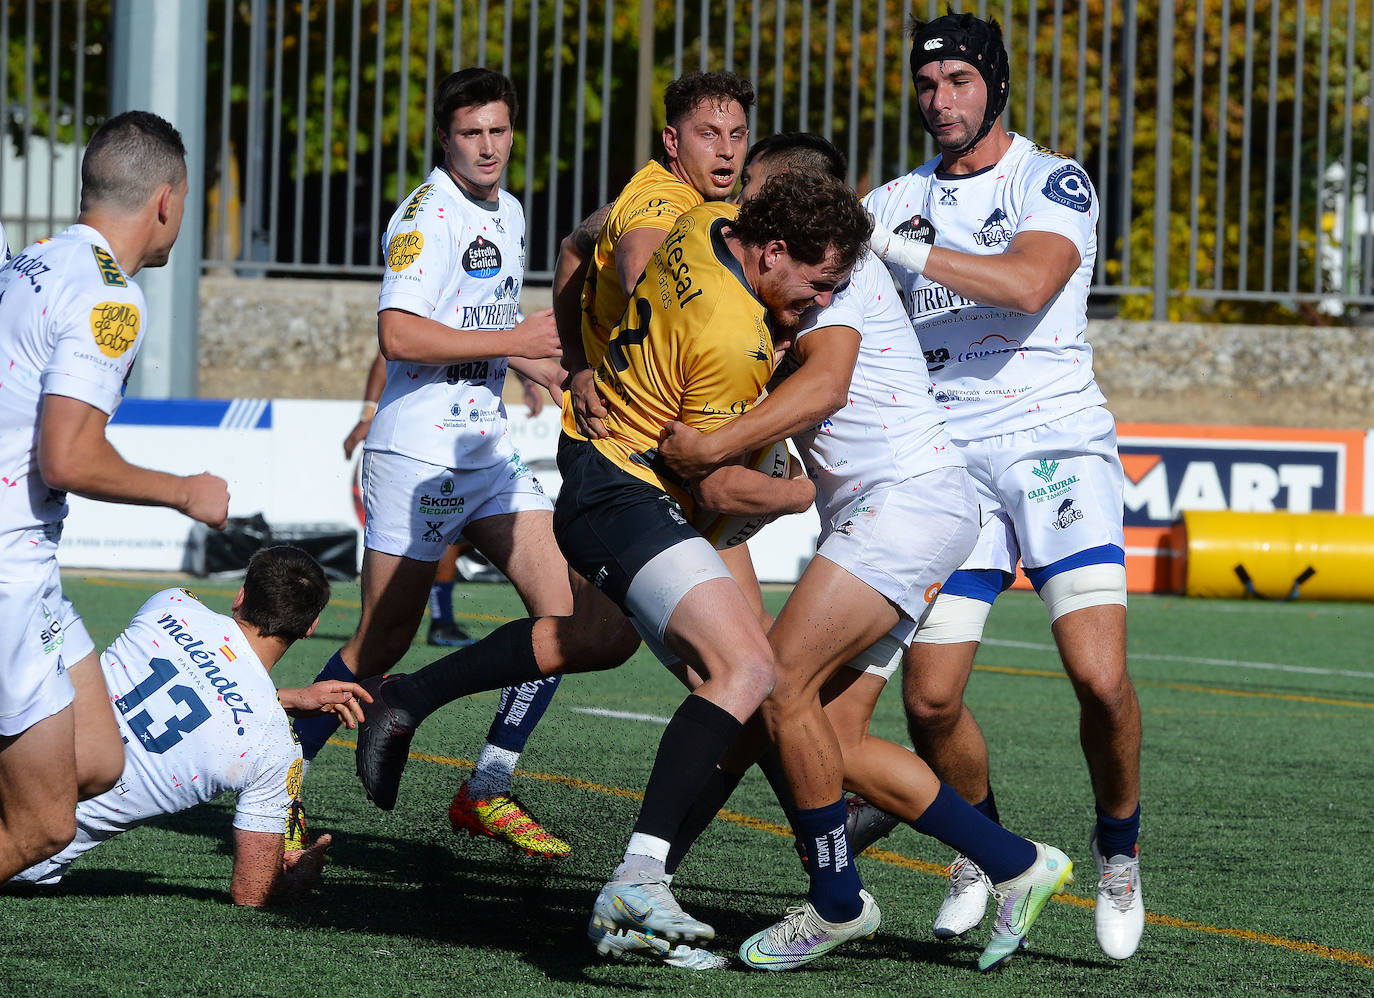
491 778
644 856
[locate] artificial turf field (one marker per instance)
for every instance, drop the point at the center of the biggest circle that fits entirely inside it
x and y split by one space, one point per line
1258 796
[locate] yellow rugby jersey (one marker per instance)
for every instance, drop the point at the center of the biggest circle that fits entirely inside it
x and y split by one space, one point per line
653 198
694 345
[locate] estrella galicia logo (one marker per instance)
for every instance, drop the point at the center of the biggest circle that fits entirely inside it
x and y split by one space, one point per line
917 228
995 230
508 290
447 488
948 195
433 534
1067 515
1045 471
482 258
1070 187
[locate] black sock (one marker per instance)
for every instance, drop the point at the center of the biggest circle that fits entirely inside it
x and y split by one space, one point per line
505 657
719 786
987 807
696 738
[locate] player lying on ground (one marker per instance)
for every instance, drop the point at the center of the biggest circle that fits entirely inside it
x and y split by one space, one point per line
199 716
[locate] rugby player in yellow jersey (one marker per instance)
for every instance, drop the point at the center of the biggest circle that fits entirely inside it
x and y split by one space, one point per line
697 344
704 141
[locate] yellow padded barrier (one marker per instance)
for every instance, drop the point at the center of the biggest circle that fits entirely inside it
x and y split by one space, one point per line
1318 556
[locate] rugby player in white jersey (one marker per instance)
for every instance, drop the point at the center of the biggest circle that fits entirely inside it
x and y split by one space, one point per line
898 514
993 244
438 461
198 716
71 322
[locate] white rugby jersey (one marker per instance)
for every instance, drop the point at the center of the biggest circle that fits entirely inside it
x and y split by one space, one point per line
995 370
71 323
199 716
889 430
460 262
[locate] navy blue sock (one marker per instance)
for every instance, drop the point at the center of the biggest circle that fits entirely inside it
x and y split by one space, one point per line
955 822
520 709
987 807
1117 836
835 881
441 602
313 732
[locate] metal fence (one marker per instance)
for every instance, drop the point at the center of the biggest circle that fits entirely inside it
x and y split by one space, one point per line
1253 199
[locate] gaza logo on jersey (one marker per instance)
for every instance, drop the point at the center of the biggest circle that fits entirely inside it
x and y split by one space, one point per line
482 258
109 270
918 229
413 205
1070 187
114 324
995 230
403 250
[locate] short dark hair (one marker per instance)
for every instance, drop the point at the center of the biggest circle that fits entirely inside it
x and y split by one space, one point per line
681 97
284 591
800 151
128 158
810 212
470 88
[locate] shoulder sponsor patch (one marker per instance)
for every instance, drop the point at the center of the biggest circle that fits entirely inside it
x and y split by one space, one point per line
1070 187
413 205
403 249
109 269
114 324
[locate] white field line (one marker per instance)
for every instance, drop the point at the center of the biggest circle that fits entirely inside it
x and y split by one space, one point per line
1190 660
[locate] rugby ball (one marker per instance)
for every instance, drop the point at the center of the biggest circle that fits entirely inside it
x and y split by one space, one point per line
724 531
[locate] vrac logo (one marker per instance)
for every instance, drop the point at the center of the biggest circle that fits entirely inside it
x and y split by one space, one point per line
1164 478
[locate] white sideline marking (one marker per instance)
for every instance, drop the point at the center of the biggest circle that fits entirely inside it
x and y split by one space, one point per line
1226 662
621 715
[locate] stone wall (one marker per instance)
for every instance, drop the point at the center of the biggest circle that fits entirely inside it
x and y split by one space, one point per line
287 338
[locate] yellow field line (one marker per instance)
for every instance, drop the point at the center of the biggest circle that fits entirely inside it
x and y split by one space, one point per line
907 863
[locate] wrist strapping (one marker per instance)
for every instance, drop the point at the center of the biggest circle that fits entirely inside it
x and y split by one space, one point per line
909 254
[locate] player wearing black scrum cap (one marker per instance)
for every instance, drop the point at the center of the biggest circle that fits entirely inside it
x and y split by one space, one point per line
992 245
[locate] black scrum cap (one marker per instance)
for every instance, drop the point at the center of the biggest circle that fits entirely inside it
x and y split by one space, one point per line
967 39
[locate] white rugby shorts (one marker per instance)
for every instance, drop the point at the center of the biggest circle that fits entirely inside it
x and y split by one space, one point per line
905 539
1047 492
41 637
415 509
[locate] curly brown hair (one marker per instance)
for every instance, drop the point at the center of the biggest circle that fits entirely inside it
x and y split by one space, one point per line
809 212
682 96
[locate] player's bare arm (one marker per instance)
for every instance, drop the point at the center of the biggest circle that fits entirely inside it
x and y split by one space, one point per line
405 336
813 392
569 274
735 490
75 456
535 374
1034 269
328 696
372 394
263 872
